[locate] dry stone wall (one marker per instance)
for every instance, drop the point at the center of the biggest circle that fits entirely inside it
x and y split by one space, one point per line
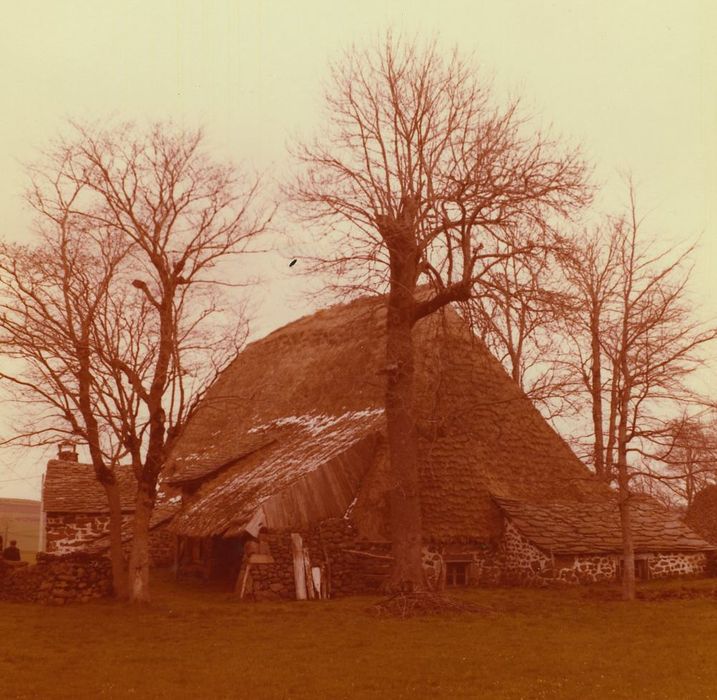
58 579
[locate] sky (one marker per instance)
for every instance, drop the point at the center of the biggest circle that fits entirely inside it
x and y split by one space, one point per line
633 82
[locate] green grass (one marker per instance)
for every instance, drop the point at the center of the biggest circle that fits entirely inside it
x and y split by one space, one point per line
197 643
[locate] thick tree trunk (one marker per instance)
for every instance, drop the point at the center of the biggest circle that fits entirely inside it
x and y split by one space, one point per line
406 522
407 573
119 564
139 556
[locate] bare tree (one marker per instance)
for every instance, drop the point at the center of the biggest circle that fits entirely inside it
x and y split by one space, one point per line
592 271
683 458
112 316
642 344
519 316
420 185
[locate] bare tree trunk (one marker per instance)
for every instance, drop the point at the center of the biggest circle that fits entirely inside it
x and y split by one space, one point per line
612 427
119 564
628 544
139 556
407 573
623 481
596 393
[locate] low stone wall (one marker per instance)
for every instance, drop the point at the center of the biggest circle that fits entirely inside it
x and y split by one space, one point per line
58 579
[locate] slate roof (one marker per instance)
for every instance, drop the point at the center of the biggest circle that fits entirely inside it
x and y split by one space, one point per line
564 527
478 433
71 487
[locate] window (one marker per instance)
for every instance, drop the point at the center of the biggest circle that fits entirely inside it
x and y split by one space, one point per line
457 573
642 569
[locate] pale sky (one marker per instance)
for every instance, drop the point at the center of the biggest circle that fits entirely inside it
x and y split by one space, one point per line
634 82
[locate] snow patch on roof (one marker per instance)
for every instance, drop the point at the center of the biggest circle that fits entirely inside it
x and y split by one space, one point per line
314 424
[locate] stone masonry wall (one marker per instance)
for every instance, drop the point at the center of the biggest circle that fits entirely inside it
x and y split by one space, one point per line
525 564
72 532
69 532
353 565
58 579
357 566
161 546
677 564
334 546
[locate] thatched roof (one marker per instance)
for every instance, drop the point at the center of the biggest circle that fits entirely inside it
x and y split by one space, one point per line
71 487
702 513
291 427
565 527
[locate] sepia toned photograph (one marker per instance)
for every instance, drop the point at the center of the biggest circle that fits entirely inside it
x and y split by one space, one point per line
358 350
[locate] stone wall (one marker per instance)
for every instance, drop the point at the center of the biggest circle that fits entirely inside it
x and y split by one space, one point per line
525 564
677 564
58 579
352 566
162 544
69 532
485 565
355 566
73 532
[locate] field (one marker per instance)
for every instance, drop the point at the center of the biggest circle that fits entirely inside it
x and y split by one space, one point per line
20 520
195 643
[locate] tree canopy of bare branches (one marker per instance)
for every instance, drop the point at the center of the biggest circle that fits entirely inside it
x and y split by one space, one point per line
111 315
519 315
419 184
636 343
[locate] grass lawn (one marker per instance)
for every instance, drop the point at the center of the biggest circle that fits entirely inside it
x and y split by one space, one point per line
196 643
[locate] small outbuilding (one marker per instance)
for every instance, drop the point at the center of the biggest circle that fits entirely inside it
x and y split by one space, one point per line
75 513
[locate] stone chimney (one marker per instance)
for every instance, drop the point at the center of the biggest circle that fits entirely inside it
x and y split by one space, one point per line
66 451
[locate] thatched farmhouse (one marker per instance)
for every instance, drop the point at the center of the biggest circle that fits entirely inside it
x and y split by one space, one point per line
284 471
76 516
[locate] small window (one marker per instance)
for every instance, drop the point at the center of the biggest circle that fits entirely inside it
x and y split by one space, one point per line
642 569
457 573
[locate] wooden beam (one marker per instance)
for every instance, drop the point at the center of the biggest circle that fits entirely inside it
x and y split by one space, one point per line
297 550
307 573
368 554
